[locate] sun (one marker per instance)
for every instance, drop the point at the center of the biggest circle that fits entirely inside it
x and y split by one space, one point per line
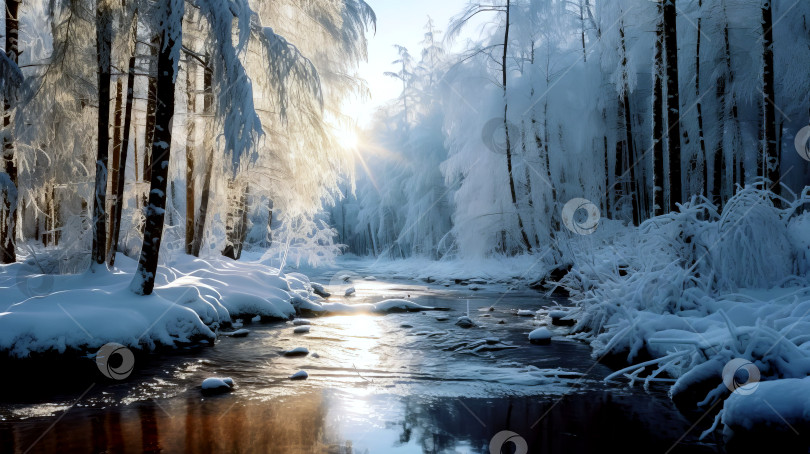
347 137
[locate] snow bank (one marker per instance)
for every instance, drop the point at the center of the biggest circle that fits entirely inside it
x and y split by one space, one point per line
193 298
690 291
778 404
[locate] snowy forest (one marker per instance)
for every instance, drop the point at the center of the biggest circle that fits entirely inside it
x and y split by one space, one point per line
637 106
571 209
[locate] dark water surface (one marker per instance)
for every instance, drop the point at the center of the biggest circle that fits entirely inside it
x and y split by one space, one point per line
375 385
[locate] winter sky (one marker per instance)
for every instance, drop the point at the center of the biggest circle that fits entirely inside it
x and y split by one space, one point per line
399 22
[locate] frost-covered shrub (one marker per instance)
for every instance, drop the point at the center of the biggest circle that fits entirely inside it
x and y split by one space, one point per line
751 248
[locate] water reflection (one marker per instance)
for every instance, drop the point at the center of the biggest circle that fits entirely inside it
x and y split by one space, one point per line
331 421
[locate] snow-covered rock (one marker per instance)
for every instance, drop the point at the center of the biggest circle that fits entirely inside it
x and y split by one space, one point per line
237 333
776 405
540 336
561 318
525 313
349 291
319 290
301 321
216 385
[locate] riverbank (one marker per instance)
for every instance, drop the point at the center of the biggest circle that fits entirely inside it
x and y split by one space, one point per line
709 303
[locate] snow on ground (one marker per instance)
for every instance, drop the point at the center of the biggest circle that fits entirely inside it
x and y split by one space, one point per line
193 298
686 293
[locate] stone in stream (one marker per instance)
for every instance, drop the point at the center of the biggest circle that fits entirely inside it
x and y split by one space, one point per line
301 329
217 385
349 291
464 322
501 322
405 325
300 375
319 290
237 333
540 336
300 322
298 351
558 318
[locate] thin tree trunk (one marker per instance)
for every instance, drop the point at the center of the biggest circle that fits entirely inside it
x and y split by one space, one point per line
512 190
119 89
628 132
673 105
122 164
205 194
719 161
151 108
191 89
8 215
582 32
270 225
243 223
771 153
631 160
608 187
103 55
699 105
144 280
657 120
371 237
231 223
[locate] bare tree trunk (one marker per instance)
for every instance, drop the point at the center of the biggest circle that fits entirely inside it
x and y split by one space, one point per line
631 160
205 194
699 105
231 223
719 161
144 280
609 190
103 55
241 233
191 89
771 155
582 31
270 224
119 89
512 190
673 105
8 214
721 177
371 237
628 133
657 121
151 108
122 164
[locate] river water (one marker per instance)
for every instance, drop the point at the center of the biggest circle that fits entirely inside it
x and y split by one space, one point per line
399 383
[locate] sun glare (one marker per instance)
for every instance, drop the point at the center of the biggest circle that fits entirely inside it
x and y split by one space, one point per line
346 137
